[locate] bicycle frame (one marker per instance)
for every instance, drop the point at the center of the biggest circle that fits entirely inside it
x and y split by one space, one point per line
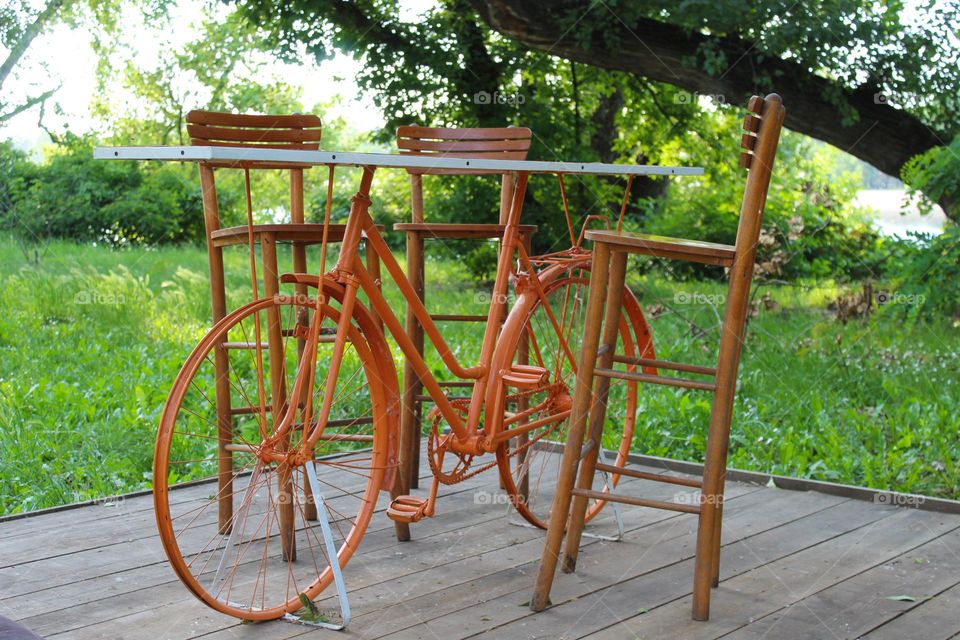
351 273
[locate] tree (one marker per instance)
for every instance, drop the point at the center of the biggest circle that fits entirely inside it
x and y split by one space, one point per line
861 75
21 24
18 30
219 70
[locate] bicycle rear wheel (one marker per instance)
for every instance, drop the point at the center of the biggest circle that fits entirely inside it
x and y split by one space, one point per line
236 525
529 464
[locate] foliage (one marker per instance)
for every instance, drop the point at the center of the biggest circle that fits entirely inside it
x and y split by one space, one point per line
434 68
89 353
935 176
882 47
73 196
218 70
926 270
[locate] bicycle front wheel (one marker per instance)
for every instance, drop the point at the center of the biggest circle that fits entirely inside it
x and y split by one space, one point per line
551 337
238 526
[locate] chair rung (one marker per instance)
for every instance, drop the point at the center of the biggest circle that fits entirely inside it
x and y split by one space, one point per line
457 383
645 377
666 364
637 502
453 317
242 411
345 437
245 345
349 422
428 398
645 475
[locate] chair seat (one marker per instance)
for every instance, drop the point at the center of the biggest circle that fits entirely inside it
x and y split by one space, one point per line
664 247
451 230
305 233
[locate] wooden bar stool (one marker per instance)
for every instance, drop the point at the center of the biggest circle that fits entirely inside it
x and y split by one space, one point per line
598 360
211 128
507 143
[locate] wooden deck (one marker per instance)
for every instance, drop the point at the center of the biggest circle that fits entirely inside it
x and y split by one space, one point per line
795 564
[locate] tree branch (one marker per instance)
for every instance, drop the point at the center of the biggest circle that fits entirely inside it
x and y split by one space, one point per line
31 102
883 136
19 48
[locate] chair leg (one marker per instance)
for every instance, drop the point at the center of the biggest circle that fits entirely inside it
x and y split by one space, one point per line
717 533
578 423
221 364
706 567
278 392
410 419
598 408
299 253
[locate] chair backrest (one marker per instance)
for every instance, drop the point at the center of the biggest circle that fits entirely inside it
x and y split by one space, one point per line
217 129
501 143
504 143
762 125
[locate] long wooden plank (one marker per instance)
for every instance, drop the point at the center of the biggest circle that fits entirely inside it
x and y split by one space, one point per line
779 583
69 539
281 157
120 554
852 608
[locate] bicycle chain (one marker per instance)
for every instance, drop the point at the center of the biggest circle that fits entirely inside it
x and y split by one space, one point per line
462 405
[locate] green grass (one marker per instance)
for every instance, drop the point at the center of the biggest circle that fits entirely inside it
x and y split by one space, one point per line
92 338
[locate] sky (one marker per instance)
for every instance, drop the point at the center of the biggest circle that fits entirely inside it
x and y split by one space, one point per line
64 56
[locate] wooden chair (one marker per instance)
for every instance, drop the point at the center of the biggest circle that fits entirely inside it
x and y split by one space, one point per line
597 359
508 143
210 128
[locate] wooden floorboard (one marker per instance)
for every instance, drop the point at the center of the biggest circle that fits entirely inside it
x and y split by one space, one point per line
794 565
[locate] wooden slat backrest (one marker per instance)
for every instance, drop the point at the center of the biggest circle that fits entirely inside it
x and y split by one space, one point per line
216 129
763 125
502 143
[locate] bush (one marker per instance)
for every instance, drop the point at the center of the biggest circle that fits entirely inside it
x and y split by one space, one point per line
925 274
74 196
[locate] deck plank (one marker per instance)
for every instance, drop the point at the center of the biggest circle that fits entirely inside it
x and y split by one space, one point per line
44 610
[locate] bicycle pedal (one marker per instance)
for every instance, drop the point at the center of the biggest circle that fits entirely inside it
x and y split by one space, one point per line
525 376
407 509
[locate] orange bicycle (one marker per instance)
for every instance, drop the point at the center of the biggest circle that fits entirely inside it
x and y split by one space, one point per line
315 400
